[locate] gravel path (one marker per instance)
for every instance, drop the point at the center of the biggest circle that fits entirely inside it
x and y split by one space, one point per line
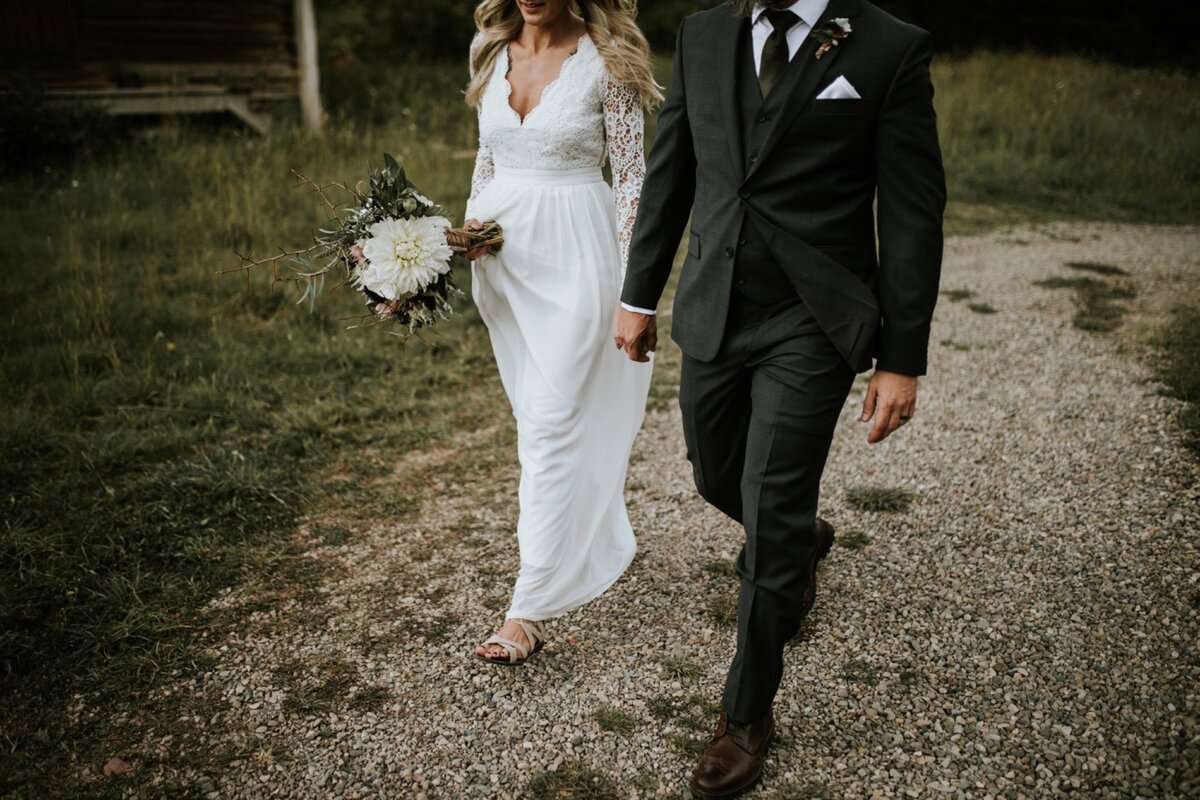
1028 627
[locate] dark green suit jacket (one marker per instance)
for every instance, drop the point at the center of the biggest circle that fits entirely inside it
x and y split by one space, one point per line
809 192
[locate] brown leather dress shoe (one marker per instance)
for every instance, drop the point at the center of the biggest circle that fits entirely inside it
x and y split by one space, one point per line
733 762
824 534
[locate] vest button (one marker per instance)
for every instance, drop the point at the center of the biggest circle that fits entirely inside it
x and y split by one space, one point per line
729 252
763 118
741 242
744 194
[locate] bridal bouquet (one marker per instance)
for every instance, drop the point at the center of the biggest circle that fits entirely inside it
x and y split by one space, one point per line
391 242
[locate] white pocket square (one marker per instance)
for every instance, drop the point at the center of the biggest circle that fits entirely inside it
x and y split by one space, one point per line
841 89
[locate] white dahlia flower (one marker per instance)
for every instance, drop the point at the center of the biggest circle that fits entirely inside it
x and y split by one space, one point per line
403 256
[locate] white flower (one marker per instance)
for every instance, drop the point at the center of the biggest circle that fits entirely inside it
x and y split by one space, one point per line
403 256
843 23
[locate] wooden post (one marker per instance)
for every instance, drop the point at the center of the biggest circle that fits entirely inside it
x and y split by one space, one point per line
306 62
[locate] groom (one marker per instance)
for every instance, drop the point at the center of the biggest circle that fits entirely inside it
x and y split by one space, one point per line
784 123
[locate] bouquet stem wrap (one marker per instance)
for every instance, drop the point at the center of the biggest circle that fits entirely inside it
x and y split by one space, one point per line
462 240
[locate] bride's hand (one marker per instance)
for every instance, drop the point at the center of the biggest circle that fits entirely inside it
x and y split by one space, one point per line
474 253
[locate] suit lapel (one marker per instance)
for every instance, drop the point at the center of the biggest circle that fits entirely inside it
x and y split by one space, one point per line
728 50
804 81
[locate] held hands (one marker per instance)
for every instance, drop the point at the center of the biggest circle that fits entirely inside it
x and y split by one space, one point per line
471 255
892 400
637 334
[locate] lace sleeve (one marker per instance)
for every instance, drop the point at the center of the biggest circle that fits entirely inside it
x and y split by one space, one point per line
624 127
485 167
485 170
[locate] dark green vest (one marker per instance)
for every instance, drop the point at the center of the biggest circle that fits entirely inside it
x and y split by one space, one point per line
756 274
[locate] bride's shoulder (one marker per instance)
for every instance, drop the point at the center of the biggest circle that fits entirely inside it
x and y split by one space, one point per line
589 53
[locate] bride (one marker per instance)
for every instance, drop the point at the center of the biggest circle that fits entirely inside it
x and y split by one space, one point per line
559 86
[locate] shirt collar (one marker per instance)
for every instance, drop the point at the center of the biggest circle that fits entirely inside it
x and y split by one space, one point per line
808 10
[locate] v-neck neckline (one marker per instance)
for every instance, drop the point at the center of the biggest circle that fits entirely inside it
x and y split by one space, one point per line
562 68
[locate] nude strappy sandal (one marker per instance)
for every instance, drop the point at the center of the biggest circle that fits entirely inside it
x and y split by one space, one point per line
534 631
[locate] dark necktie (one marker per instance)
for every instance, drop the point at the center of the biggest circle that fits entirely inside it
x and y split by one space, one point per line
775 51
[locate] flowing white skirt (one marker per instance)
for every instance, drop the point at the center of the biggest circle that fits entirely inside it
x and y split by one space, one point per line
549 298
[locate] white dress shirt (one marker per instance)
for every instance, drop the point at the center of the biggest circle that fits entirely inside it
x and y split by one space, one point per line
808 13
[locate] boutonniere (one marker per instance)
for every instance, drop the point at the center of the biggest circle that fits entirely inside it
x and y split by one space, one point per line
831 35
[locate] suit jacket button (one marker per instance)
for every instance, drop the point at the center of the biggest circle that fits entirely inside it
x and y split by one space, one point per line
741 242
729 252
744 194
763 118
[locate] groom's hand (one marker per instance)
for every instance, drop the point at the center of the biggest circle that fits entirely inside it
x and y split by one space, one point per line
637 334
892 400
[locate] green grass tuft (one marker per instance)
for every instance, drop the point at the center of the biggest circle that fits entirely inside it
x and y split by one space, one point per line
686 745
879 499
1096 268
695 717
662 707
720 569
646 783
981 308
614 720
807 791
331 681
957 295
572 782
1179 368
372 698
859 671
332 535
680 668
723 610
853 540
1097 306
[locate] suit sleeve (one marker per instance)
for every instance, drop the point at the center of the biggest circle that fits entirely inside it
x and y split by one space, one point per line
912 200
667 196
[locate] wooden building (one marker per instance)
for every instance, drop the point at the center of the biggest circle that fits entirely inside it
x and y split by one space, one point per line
251 58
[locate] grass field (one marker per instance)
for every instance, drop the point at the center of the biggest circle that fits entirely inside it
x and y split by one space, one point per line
166 428
1071 138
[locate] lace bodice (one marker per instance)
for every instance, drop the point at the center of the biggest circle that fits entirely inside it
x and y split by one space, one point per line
583 117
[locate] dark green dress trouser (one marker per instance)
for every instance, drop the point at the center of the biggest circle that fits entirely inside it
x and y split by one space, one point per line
758 421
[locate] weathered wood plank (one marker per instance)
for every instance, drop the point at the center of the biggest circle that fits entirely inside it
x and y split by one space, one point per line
166 55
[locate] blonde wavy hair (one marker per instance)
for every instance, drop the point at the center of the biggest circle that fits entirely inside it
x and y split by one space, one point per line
611 25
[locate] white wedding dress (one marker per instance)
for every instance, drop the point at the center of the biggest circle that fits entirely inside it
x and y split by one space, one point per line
549 298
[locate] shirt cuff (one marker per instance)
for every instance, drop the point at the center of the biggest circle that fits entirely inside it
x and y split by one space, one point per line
648 312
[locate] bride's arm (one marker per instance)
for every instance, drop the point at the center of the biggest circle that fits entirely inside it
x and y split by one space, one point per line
624 128
485 170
